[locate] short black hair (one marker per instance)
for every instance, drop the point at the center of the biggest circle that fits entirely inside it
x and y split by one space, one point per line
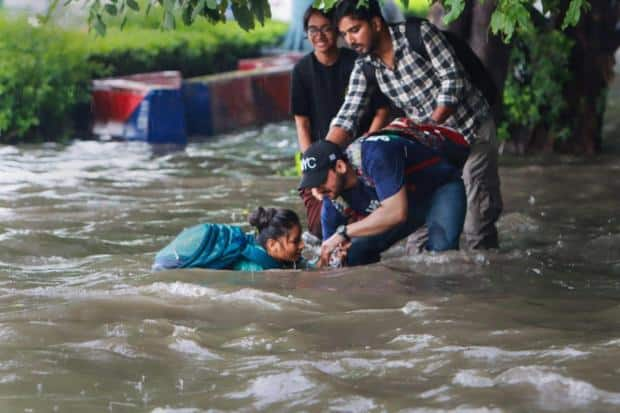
309 12
349 8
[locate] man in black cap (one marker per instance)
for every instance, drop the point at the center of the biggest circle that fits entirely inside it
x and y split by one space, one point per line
418 69
388 185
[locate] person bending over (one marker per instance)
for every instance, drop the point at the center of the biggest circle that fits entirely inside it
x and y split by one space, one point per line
395 184
318 86
431 88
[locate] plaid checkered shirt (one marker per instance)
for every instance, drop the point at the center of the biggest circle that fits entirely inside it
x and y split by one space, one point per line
417 85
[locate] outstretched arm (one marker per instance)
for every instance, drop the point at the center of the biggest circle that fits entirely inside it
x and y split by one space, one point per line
357 99
379 120
393 211
339 136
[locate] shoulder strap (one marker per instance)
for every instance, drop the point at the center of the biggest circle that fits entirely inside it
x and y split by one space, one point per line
414 35
369 74
472 64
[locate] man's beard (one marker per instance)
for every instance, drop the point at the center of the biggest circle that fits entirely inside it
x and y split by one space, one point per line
371 47
339 187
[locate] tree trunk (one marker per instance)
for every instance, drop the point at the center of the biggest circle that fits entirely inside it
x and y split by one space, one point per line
473 25
592 63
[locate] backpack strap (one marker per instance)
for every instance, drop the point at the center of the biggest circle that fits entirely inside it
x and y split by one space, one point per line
414 36
474 68
369 73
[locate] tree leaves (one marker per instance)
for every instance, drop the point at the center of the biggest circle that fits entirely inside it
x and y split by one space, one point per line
242 14
574 12
454 8
111 9
260 9
510 16
133 5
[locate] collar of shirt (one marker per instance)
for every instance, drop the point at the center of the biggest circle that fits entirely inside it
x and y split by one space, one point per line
399 43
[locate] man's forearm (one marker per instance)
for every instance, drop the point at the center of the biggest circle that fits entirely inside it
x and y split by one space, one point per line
339 136
441 113
393 211
379 120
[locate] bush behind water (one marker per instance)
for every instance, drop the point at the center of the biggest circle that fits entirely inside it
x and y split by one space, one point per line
44 75
45 72
199 50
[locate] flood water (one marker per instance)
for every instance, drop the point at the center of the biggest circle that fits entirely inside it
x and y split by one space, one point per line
85 326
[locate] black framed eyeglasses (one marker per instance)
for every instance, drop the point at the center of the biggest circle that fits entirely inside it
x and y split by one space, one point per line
315 31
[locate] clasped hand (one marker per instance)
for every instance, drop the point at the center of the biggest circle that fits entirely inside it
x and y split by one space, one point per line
334 242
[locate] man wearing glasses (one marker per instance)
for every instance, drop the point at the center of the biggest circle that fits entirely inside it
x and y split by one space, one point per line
318 87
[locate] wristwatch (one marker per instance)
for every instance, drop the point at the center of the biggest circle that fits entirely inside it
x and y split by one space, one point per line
342 231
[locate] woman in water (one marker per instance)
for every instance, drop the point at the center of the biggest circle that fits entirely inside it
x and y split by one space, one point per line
279 241
277 245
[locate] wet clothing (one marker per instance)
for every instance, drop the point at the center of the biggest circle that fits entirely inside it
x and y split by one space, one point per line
385 164
442 213
359 202
482 183
484 199
217 246
417 86
317 92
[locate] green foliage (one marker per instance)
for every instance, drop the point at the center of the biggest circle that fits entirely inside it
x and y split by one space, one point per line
199 50
454 8
247 13
510 16
573 14
515 16
533 92
44 74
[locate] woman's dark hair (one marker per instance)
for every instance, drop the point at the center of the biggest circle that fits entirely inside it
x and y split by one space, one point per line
349 8
272 223
309 12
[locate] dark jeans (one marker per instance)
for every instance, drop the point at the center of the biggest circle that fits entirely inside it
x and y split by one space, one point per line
443 213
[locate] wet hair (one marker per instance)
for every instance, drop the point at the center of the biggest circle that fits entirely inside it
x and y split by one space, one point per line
272 223
349 8
309 12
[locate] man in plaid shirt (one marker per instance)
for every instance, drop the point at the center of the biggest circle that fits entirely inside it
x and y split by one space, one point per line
434 90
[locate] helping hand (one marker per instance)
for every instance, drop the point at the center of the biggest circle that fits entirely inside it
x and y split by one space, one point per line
331 244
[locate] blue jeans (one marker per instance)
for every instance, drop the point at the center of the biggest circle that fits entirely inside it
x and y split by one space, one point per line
443 213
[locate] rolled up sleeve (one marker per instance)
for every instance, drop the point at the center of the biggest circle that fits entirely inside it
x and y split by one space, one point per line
355 101
444 61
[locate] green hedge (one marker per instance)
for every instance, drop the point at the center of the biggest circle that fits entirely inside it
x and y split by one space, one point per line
45 72
201 50
44 75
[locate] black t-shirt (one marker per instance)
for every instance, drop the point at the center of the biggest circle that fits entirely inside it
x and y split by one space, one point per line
318 91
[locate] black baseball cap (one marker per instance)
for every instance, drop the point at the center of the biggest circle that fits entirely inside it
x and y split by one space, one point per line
316 161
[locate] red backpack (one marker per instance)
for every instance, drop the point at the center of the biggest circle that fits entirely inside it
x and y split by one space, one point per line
450 144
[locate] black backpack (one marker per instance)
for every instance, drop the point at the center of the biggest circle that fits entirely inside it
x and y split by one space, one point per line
474 68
